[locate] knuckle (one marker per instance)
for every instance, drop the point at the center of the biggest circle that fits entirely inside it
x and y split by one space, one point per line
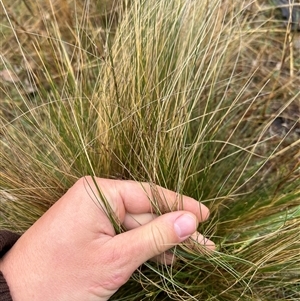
84 187
118 270
81 182
84 184
115 280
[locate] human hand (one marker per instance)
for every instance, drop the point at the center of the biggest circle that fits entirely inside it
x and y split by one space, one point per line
73 253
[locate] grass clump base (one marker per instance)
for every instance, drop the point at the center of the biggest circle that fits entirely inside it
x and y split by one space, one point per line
201 97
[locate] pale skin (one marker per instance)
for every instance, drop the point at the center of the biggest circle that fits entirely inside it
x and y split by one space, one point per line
73 253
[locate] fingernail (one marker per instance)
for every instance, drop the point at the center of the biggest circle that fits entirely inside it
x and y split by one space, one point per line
185 225
208 244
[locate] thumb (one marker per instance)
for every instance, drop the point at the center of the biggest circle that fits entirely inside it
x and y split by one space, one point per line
164 232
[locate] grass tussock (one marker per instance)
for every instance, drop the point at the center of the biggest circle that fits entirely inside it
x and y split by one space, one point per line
201 97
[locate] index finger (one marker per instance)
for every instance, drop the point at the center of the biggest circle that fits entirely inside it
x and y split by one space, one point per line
140 198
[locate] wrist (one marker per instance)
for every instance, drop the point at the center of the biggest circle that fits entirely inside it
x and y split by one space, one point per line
7 240
13 267
6 284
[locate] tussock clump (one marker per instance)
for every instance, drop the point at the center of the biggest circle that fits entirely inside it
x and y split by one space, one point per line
201 97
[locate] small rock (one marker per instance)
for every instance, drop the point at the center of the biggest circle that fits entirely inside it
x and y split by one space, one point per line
289 11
